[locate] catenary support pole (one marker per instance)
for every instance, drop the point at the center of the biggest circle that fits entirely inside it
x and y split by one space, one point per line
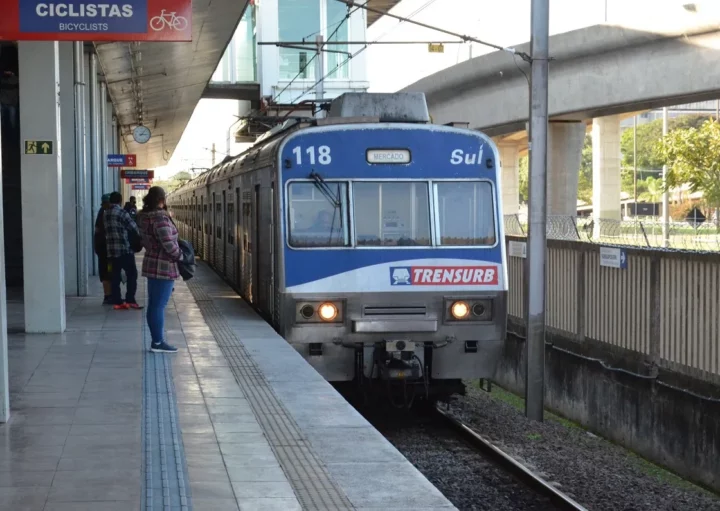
665 198
635 197
319 72
81 214
536 251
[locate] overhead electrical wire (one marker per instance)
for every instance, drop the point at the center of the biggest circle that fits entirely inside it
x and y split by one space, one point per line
350 57
315 55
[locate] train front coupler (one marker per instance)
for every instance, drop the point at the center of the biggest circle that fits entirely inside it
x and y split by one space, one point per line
396 361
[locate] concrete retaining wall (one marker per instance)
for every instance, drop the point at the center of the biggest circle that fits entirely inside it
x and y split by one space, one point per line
649 415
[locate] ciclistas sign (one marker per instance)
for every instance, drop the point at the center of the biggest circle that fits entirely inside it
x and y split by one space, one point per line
96 20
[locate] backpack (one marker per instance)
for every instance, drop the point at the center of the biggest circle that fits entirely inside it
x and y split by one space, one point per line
187 264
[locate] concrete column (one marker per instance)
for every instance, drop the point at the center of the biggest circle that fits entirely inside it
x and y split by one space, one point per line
509 158
4 374
565 143
606 168
90 211
95 151
67 125
41 190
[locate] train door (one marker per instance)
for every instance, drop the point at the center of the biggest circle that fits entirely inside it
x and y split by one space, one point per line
238 249
263 235
211 234
256 278
223 236
203 208
249 263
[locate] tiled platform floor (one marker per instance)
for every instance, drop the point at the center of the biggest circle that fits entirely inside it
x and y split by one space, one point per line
75 438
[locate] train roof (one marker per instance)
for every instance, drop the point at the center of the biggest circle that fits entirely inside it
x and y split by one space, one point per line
349 108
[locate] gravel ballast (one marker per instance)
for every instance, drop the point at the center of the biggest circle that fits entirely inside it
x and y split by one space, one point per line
598 474
466 479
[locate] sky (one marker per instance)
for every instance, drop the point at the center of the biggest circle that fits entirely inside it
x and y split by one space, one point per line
392 67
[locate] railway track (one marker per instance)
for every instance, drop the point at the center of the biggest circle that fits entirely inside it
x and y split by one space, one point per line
508 464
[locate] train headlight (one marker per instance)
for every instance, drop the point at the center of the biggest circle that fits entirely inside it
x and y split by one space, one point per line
460 310
327 311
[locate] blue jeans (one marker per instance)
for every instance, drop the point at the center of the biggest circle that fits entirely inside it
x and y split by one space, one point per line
159 292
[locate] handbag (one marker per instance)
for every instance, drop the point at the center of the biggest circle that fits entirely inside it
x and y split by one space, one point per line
135 241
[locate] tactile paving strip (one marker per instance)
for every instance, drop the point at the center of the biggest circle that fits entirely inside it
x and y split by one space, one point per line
313 486
165 476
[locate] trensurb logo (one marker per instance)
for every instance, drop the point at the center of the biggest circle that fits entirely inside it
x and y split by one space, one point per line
444 276
400 276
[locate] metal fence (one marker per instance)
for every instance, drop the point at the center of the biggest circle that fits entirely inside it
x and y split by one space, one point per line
664 306
646 233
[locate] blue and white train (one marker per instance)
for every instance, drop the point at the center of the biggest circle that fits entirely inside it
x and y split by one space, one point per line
371 240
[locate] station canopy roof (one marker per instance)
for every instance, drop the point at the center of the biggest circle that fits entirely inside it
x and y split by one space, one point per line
164 82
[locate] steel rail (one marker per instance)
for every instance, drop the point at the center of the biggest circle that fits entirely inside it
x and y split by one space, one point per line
510 465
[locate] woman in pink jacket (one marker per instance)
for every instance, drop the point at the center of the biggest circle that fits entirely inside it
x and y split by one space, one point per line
160 239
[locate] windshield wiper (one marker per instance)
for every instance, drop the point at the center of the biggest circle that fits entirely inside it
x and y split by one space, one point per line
325 189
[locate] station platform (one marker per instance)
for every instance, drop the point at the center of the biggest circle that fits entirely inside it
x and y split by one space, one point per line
236 420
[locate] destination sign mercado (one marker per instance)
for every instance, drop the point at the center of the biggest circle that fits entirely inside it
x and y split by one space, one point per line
394 156
96 20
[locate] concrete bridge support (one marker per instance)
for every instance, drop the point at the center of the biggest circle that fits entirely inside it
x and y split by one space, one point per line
565 143
606 169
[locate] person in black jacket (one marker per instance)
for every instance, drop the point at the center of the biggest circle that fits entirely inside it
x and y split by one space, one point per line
104 268
131 207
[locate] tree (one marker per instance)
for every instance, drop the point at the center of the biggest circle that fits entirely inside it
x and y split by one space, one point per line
692 158
648 136
653 190
523 179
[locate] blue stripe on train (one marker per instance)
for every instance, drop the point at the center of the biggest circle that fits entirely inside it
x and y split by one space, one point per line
303 266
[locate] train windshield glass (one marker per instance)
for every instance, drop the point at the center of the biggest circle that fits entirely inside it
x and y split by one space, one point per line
391 213
465 213
317 215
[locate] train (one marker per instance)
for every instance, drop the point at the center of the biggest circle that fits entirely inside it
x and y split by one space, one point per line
370 239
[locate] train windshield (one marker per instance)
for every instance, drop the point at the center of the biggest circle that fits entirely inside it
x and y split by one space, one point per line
317 215
391 213
465 213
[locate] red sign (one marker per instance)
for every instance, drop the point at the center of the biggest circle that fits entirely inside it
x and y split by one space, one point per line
140 187
131 20
134 174
136 180
453 275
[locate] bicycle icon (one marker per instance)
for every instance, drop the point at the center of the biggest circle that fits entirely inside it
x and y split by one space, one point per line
170 20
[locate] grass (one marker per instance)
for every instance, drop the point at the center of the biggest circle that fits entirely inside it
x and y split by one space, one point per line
518 402
647 467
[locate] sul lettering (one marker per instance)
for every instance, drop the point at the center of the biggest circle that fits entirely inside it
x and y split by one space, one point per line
458 157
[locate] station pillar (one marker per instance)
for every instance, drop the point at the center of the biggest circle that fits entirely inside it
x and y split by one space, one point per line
510 179
69 163
606 169
4 372
41 188
565 143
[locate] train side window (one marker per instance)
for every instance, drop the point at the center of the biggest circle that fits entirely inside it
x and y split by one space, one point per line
391 214
466 213
317 217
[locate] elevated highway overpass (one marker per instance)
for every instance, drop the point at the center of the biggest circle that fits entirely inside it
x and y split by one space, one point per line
597 74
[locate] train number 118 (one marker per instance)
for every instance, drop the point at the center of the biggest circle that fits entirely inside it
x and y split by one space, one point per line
321 155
